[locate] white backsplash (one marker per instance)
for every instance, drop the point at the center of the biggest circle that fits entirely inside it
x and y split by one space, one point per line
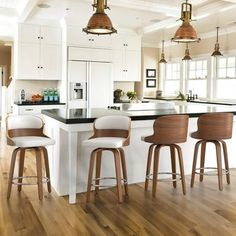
32 87
125 87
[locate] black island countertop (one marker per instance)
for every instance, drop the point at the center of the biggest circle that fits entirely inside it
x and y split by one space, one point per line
74 116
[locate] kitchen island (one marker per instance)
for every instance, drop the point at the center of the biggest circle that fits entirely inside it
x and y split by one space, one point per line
69 160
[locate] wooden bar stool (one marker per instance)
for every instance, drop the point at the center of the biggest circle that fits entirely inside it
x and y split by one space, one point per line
213 128
111 133
26 132
168 130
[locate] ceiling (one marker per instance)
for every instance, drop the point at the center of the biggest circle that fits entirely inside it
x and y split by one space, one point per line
153 19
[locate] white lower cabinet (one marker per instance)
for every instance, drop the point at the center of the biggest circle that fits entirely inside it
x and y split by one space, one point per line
33 109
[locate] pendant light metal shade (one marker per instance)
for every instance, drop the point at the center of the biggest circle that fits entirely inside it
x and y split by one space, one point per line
186 32
217 46
187 54
163 60
99 23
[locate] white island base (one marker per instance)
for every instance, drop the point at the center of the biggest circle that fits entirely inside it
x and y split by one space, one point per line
69 161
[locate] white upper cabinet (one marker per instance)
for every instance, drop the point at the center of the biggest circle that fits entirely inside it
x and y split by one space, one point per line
27 61
127 58
129 42
38 53
39 34
76 37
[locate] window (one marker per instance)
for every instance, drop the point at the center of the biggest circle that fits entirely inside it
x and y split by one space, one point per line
172 79
226 78
226 68
197 77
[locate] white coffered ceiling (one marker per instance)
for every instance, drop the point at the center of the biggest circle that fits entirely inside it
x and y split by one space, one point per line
153 19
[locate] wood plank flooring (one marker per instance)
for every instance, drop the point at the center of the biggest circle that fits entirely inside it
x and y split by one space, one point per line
203 211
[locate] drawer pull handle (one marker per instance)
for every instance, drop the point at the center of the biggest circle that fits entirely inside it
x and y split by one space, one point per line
29 109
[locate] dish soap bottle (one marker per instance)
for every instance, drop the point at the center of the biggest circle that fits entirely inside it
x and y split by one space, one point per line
45 95
55 95
50 93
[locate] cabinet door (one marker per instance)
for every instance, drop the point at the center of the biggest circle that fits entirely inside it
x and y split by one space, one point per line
76 37
101 42
126 42
28 66
28 33
50 62
133 65
118 68
50 35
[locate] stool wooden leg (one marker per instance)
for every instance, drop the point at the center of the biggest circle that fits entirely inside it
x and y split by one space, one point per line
39 172
123 163
173 165
11 172
181 167
202 162
155 169
118 175
45 154
226 161
149 161
219 164
194 162
98 170
90 175
21 168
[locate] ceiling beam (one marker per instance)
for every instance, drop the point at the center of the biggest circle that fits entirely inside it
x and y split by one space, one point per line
28 10
147 6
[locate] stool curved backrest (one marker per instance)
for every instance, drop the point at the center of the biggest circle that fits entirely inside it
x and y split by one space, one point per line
169 129
23 125
214 126
112 126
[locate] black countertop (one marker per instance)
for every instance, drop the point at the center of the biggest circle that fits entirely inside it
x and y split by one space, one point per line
30 103
73 116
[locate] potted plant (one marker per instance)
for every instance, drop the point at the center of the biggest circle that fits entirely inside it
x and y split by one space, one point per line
131 95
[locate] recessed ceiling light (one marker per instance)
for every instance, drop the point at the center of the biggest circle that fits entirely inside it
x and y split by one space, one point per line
43 5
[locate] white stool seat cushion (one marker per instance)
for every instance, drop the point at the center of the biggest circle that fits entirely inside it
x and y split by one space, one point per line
32 141
104 142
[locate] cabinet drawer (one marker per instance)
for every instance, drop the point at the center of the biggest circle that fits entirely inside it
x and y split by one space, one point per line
29 110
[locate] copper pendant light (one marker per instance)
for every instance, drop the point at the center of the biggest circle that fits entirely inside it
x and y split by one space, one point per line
186 32
187 54
100 23
217 46
163 60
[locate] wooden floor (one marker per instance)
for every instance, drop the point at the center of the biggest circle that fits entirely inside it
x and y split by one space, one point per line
203 211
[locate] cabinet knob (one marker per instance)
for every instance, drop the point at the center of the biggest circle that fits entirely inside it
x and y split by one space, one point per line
38 37
41 37
38 67
41 67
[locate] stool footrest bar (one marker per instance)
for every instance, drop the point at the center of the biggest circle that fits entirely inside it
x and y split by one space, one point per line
106 178
224 171
45 180
178 178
